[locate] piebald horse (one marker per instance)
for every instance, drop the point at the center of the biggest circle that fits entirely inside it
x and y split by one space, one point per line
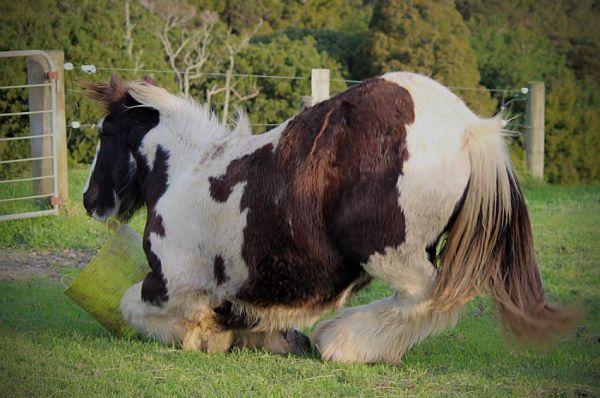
250 237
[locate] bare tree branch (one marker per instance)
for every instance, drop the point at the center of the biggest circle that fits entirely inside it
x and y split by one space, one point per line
186 48
233 50
128 30
129 27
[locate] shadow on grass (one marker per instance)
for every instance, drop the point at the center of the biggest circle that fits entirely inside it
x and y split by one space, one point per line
39 305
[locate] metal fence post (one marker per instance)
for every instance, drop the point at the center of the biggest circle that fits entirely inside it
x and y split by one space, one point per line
534 132
38 71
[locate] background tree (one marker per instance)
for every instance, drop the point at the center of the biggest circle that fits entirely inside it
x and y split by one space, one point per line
280 98
551 41
424 36
187 47
471 43
234 47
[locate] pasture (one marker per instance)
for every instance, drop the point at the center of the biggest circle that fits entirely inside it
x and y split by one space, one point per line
49 347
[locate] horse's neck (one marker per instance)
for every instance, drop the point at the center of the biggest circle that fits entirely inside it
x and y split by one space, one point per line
208 156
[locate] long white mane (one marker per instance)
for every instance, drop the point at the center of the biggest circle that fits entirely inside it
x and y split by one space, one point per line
190 120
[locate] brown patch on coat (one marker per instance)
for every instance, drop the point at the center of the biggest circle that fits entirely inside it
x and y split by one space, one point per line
325 199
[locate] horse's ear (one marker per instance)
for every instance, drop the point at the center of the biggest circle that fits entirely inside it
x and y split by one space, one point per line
115 82
149 80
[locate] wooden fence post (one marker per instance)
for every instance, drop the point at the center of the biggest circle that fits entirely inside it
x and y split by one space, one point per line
534 132
41 124
319 85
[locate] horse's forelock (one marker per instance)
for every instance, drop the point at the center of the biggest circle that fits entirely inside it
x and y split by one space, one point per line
108 94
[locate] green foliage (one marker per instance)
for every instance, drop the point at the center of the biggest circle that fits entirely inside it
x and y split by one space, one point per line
572 131
278 55
549 41
424 36
462 43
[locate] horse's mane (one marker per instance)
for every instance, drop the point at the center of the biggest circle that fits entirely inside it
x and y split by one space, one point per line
188 118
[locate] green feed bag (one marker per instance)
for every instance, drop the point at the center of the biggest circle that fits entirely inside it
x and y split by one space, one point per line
120 263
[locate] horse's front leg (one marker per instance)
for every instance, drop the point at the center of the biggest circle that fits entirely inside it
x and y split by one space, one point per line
150 320
248 333
184 320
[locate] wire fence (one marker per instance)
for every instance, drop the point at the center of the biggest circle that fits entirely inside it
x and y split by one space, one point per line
506 97
91 69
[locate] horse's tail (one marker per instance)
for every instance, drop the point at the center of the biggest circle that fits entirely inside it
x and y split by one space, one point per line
490 246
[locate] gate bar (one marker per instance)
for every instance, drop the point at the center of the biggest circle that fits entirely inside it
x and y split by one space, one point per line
26 160
39 213
26 197
53 88
25 179
26 113
26 86
24 137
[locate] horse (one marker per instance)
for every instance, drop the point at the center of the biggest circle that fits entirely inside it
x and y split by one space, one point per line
251 237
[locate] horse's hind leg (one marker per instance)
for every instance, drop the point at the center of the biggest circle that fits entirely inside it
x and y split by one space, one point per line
384 330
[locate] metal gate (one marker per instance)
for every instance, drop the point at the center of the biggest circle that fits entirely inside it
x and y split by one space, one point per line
47 131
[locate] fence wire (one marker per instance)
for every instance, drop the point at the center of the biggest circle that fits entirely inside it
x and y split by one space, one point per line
92 69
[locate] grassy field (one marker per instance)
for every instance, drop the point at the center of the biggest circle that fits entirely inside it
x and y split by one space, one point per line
49 347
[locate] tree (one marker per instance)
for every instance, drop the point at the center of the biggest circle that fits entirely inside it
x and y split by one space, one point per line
235 46
129 41
279 99
550 41
186 45
424 36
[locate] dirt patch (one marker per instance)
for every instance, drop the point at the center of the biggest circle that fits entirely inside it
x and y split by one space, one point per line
21 264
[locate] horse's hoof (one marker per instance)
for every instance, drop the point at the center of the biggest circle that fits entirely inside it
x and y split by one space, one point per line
299 343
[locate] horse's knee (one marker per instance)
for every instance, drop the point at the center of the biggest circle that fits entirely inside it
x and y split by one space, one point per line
149 320
207 335
133 309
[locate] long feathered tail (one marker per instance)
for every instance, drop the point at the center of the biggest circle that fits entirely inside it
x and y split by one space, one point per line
490 246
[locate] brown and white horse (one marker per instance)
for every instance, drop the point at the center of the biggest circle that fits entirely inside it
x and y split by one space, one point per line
252 236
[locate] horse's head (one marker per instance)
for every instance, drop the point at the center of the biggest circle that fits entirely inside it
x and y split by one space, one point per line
114 186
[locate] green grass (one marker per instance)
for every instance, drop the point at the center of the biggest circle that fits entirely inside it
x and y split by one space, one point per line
48 346
72 230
